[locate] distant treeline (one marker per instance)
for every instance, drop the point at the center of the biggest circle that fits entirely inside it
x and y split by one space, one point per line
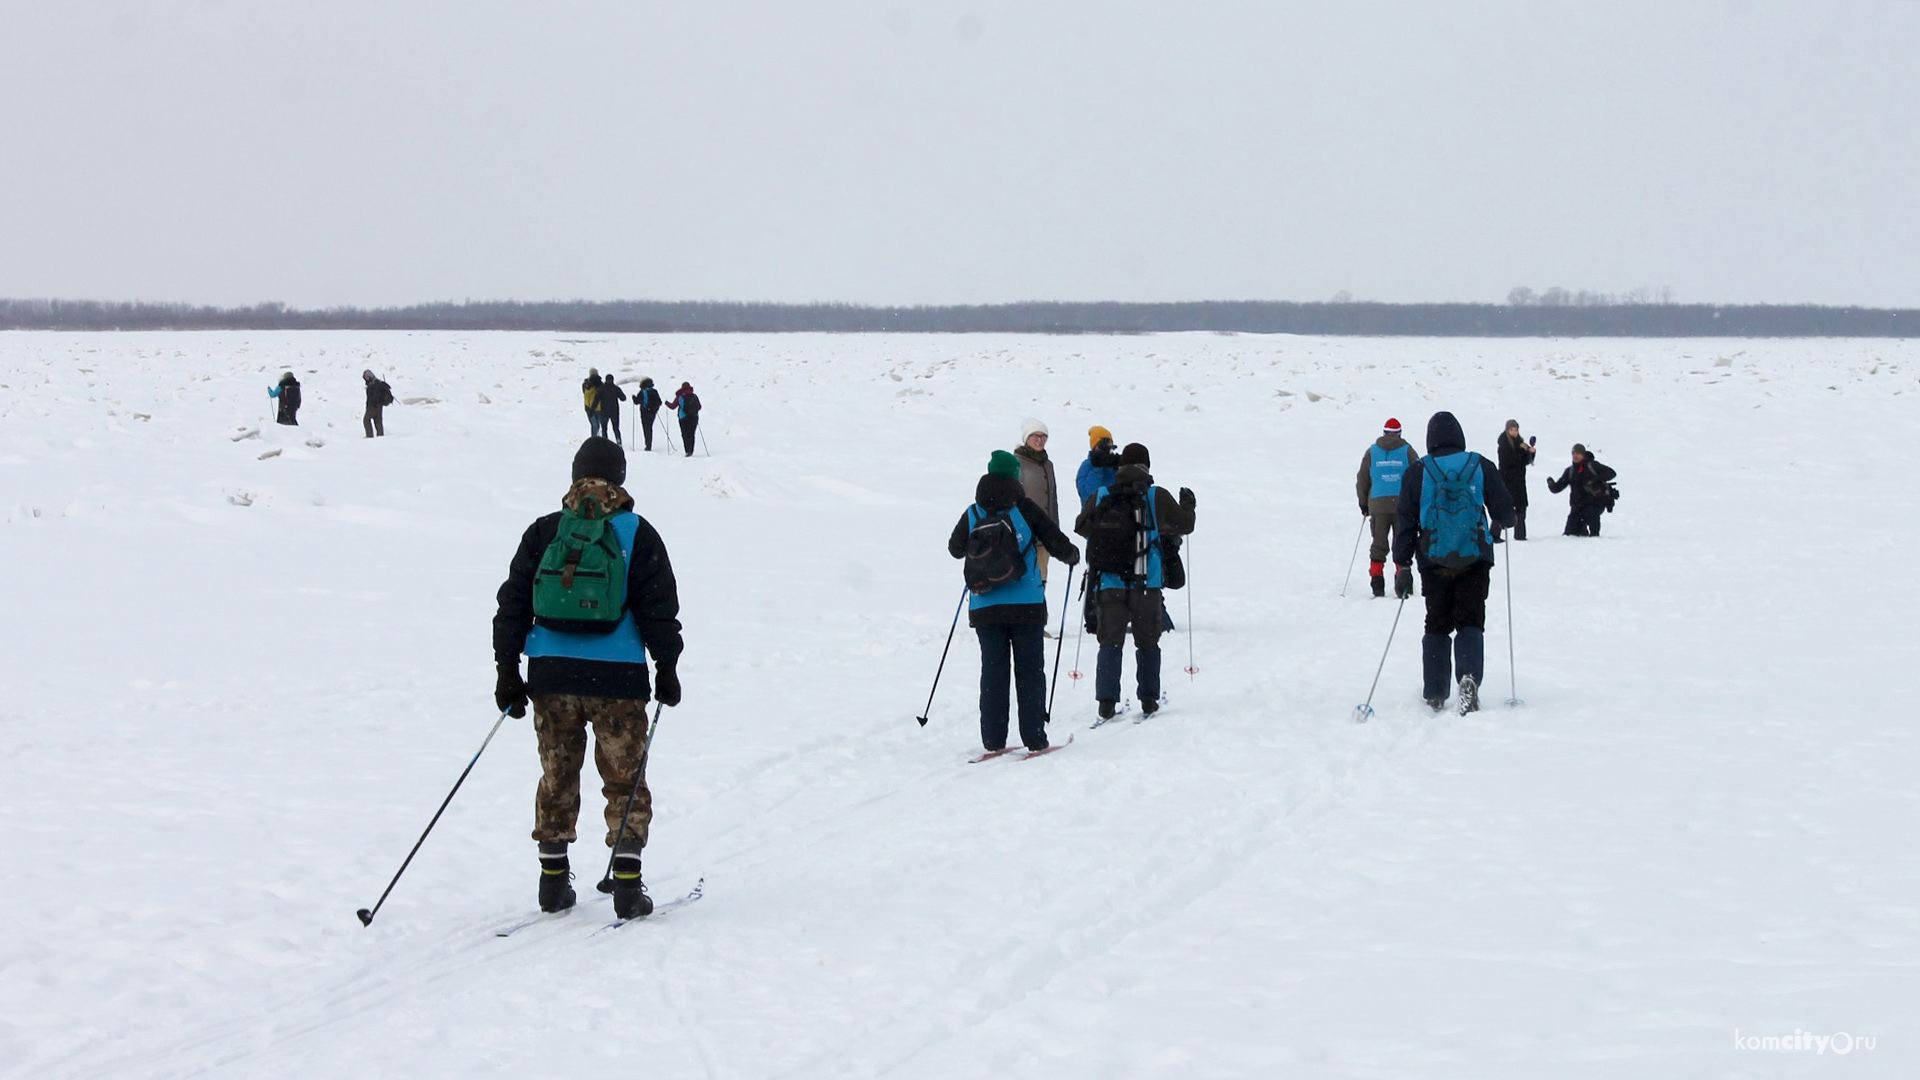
1524 319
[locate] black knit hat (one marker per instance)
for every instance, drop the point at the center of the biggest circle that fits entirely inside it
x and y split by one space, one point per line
602 458
1135 454
1580 448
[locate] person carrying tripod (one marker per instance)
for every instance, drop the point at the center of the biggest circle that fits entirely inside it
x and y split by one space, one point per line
590 593
1446 500
1130 526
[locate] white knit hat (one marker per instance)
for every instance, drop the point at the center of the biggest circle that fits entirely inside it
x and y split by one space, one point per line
1031 427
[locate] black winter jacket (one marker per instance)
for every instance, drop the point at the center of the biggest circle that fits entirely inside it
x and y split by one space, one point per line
379 394
1444 437
1515 458
998 494
1588 480
608 402
652 596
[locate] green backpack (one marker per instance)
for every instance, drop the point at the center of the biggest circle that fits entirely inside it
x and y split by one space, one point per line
581 584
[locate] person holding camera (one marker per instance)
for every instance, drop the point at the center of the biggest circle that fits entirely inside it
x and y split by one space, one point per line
1515 457
1593 494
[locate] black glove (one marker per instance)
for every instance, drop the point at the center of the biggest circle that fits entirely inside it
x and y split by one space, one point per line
1403 581
1186 498
510 691
1072 557
666 685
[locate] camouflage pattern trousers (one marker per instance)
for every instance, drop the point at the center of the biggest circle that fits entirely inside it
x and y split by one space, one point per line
560 722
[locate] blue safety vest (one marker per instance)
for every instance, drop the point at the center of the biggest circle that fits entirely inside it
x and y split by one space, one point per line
1387 469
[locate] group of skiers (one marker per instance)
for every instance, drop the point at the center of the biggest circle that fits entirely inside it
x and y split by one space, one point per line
286 395
602 396
1444 513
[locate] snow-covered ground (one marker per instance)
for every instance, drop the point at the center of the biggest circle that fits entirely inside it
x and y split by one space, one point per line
243 664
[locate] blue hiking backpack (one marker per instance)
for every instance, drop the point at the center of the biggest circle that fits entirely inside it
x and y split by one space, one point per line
1453 515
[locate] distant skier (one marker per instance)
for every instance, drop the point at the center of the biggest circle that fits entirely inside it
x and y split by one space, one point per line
999 537
288 395
589 670
379 396
686 406
1593 492
1378 484
1516 456
1103 461
608 403
590 398
1129 525
1037 479
1445 503
647 399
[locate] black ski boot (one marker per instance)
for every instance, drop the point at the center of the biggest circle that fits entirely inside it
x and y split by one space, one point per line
1149 706
630 899
1107 709
1469 695
1379 585
556 889
1437 704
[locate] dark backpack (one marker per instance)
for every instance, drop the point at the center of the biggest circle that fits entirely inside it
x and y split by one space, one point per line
382 393
580 586
691 403
994 555
1453 518
1116 532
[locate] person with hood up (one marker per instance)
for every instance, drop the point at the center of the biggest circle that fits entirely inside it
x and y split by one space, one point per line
1378 485
608 403
1592 495
590 395
1129 525
590 672
647 400
1446 500
1103 462
686 406
1007 618
1516 457
1036 477
379 396
288 395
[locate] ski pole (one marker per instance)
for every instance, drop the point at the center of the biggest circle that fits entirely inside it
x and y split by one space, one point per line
1512 684
1059 645
639 774
1192 670
366 915
943 657
1361 712
1080 631
1355 557
703 443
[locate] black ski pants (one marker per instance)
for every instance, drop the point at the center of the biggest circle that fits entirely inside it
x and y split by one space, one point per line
1584 519
646 424
689 427
1456 627
1017 654
372 422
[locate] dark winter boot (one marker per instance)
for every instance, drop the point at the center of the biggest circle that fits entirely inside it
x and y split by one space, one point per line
1435 671
1469 695
556 889
1379 582
1469 653
630 899
1106 674
1107 709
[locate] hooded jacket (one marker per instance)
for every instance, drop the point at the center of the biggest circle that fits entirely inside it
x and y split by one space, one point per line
1445 437
1099 470
997 494
1515 458
1363 483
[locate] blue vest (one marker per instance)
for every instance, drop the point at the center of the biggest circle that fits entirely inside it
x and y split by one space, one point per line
1386 471
622 644
1453 515
1153 571
1026 588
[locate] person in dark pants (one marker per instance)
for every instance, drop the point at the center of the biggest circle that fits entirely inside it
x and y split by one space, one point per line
648 400
287 393
686 406
1378 486
1446 501
590 399
1128 592
1008 618
609 405
1515 456
590 679
1591 495
379 396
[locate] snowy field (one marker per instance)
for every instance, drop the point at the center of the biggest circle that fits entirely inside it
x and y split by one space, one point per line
243 664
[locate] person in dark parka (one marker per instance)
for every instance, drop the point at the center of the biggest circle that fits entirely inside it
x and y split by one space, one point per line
580 680
379 396
1132 599
608 402
686 406
648 400
287 393
1591 497
1008 618
1516 457
1445 503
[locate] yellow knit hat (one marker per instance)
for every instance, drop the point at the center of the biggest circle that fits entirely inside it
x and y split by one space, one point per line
1097 433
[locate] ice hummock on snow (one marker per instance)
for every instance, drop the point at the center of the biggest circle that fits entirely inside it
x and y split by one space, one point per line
236 687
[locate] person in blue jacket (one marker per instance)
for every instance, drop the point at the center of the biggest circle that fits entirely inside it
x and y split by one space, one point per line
1008 619
1145 519
1103 462
578 680
1446 501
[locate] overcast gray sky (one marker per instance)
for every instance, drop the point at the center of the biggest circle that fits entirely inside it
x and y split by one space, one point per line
394 151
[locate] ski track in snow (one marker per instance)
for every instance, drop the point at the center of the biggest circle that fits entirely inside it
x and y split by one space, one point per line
248 661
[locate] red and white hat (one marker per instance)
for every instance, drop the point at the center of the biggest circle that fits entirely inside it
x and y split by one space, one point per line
1393 426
